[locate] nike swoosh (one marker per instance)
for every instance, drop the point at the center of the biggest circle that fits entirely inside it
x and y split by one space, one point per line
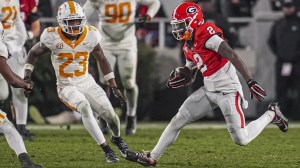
85 43
22 5
225 93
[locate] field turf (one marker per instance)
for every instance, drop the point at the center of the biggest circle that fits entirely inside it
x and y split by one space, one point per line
202 145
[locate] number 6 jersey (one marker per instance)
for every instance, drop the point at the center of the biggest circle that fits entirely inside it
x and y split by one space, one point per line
70 58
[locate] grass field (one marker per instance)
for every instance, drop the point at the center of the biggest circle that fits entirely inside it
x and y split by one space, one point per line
198 145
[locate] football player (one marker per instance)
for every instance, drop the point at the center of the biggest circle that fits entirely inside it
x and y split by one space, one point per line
14 38
205 48
117 27
12 136
71 43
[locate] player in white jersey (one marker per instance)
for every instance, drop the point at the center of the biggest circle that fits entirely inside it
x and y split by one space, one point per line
14 38
119 44
71 43
6 127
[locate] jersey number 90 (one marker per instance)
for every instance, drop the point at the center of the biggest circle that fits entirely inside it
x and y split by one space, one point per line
118 13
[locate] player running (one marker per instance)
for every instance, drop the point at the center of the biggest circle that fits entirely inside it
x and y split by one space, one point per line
12 136
71 43
205 48
117 27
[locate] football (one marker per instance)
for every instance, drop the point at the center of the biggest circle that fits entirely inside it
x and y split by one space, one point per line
184 72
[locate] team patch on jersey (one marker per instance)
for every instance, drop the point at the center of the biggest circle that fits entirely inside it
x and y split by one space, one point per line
191 9
60 45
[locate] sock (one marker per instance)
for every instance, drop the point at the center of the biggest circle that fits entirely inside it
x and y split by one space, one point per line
90 122
20 103
13 138
131 96
24 157
106 148
169 136
113 122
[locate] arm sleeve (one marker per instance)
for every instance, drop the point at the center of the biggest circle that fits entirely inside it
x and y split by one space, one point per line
90 8
153 6
214 42
189 64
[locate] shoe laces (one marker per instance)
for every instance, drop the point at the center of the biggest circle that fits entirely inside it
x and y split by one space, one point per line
111 154
120 143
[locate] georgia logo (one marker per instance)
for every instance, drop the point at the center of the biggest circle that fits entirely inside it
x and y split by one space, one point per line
191 9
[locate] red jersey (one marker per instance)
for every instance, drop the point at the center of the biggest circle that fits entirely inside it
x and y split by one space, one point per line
207 60
26 7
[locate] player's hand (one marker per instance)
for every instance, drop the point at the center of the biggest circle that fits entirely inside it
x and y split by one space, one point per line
143 19
117 93
256 90
28 88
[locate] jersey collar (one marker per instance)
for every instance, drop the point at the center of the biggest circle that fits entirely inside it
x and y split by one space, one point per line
69 42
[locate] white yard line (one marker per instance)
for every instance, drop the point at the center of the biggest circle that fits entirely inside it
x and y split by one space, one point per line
154 125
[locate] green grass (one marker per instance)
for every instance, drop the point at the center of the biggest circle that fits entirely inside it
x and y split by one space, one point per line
195 147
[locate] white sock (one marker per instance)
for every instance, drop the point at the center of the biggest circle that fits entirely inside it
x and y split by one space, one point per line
169 136
13 137
20 103
90 122
255 127
131 99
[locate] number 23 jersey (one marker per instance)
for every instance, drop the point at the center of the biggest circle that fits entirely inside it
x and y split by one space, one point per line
70 58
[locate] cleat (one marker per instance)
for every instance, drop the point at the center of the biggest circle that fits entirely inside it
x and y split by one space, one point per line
111 157
279 119
30 165
25 133
130 128
145 159
120 143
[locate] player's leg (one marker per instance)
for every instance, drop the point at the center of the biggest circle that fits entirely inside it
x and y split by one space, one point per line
20 102
102 106
4 91
112 61
195 107
231 106
77 101
15 141
127 64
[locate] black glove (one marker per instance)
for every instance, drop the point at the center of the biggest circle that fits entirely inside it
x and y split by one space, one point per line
142 20
177 80
256 90
117 93
28 90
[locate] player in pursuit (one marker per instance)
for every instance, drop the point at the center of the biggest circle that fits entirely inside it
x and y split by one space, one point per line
12 136
117 27
14 38
71 43
205 48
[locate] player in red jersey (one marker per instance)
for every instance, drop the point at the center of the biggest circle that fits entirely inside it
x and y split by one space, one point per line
30 17
205 48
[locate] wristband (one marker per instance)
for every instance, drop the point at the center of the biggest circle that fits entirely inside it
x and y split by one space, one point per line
29 67
109 76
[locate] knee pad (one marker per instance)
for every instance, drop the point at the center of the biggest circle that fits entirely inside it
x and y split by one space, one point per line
240 136
84 108
110 116
179 121
18 93
4 89
128 83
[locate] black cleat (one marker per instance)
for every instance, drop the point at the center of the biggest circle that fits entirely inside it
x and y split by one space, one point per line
130 128
279 119
30 165
111 157
24 132
120 143
144 159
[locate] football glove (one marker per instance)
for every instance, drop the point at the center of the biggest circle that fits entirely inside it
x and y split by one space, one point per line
143 19
117 93
256 90
178 78
28 90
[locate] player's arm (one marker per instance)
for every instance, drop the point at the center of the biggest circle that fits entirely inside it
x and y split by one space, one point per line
21 29
33 54
153 7
35 26
11 78
107 71
226 51
90 8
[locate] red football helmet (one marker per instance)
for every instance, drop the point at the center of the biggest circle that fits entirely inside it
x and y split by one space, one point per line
185 19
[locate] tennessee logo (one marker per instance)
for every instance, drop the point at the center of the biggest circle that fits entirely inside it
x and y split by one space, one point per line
85 43
59 45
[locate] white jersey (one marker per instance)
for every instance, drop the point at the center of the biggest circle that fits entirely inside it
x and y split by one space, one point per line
3 49
70 58
14 28
117 22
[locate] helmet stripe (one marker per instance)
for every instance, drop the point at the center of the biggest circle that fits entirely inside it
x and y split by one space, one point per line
72 7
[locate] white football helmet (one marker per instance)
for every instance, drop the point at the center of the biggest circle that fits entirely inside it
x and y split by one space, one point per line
70 11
